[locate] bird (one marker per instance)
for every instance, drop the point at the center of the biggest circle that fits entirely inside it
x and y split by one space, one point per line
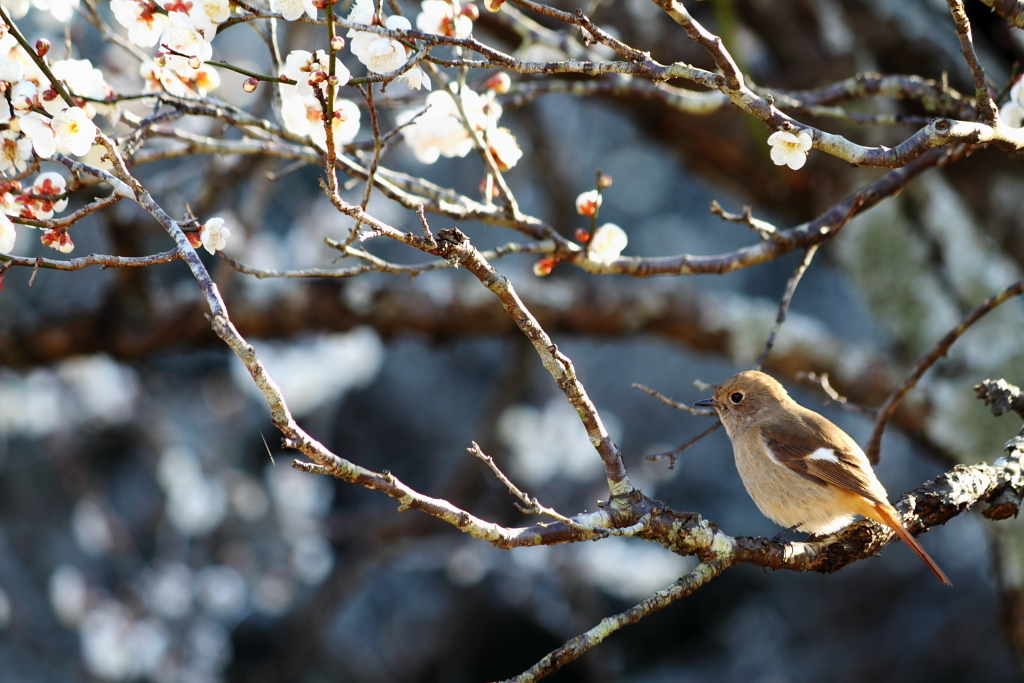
802 471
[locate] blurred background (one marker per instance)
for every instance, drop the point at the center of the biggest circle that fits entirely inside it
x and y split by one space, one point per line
151 527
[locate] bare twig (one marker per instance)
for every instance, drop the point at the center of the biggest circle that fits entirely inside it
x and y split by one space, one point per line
763 228
940 350
672 455
707 412
787 297
574 647
821 380
987 112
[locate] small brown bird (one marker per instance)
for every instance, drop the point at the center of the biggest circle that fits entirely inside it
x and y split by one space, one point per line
801 470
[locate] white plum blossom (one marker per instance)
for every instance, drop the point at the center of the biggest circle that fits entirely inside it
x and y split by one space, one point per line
214 235
84 80
790 149
15 152
381 54
415 78
362 12
44 142
299 113
7 234
144 24
208 14
1012 113
205 79
439 17
23 97
587 203
183 37
303 116
439 130
301 65
344 125
50 184
607 243
503 147
293 9
73 130
156 78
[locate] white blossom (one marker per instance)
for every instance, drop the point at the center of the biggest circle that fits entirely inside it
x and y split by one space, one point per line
301 65
183 37
381 54
73 130
1012 113
50 184
144 24
214 235
38 130
607 243
362 12
440 131
344 125
503 147
156 78
205 79
439 17
208 14
587 203
293 9
789 149
23 97
415 78
7 234
15 153
299 113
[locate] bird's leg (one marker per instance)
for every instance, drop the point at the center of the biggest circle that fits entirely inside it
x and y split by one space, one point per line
779 536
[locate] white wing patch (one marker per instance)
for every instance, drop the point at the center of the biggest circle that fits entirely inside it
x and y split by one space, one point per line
826 454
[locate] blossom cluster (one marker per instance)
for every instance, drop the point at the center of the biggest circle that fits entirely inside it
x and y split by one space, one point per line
38 121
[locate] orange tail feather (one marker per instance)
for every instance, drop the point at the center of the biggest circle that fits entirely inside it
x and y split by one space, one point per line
887 516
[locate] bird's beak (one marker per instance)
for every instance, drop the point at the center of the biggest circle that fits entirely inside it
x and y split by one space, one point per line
706 403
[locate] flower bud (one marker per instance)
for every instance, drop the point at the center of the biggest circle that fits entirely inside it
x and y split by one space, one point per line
49 95
337 43
470 10
544 266
493 5
332 80
581 235
604 181
42 47
250 84
195 62
499 83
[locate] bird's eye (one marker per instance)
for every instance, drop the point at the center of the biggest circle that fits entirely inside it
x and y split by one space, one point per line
736 398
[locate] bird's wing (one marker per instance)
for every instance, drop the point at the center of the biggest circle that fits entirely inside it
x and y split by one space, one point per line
806 452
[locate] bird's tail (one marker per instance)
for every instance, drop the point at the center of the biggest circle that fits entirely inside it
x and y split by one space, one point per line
887 515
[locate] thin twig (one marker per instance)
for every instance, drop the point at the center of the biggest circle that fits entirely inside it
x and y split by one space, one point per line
672 455
787 297
575 647
940 350
707 412
987 112
821 380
